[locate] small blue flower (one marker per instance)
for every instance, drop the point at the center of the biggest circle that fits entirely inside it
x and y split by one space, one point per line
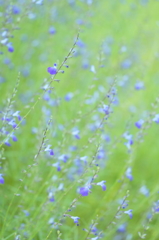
139 123
80 44
48 149
7 143
14 138
106 109
52 30
75 219
57 165
156 118
84 191
75 133
102 184
144 190
126 64
129 174
122 228
52 199
129 212
10 47
139 86
16 114
15 10
68 96
52 70
1 179
64 158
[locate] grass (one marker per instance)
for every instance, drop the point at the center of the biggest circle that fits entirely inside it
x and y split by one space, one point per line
122 37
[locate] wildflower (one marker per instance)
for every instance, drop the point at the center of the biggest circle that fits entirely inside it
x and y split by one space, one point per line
52 30
75 219
16 114
139 123
139 85
12 123
80 44
106 109
52 70
156 118
122 228
76 133
1 179
156 207
64 158
51 197
129 212
126 64
15 10
48 149
7 143
14 138
144 190
128 137
102 184
129 174
57 165
68 96
10 47
84 191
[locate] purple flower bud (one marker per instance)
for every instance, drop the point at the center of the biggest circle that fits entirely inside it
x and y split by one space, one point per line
139 123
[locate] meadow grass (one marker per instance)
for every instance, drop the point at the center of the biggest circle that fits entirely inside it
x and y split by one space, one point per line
78 141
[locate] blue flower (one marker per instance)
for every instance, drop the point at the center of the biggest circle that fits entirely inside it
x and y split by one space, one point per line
52 70
129 212
156 118
75 219
48 149
102 184
1 179
84 191
52 30
139 85
15 10
10 47
129 174
139 123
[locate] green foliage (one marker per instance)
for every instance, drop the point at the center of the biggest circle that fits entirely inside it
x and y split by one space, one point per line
116 46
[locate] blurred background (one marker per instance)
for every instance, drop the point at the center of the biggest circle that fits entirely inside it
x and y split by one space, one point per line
118 44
